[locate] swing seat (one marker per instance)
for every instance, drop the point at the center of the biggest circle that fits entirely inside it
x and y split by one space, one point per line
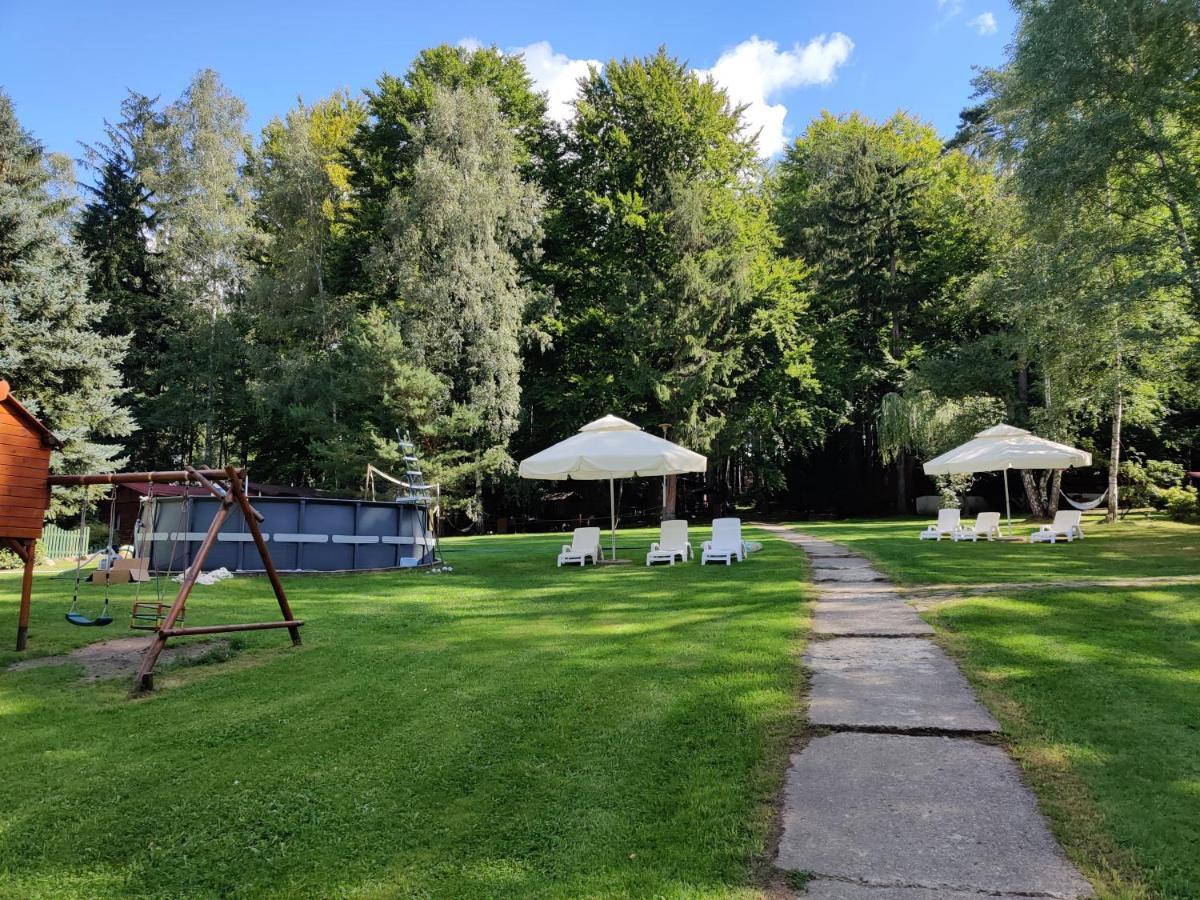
82 620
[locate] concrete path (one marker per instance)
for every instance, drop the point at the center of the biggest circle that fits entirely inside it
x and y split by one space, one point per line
902 801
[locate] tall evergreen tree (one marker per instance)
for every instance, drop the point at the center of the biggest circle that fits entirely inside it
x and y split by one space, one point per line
192 161
51 350
114 231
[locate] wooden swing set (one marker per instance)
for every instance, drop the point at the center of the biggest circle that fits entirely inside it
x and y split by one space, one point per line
25 445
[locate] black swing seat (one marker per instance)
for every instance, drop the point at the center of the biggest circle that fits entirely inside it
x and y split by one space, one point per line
80 619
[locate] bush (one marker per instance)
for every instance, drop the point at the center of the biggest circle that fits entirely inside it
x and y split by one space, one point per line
1146 484
1182 503
10 560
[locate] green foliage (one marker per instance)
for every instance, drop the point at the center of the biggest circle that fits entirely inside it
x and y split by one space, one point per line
10 560
191 157
112 231
448 258
51 350
1181 503
673 305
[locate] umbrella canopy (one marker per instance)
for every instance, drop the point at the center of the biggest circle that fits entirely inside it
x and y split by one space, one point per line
1003 447
611 448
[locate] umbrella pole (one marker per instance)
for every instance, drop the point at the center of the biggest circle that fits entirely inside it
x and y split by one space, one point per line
1007 504
612 506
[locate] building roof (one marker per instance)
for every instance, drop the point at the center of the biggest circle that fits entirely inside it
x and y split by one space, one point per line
13 405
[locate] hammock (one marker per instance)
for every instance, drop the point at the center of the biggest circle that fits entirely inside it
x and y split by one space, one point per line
1090 504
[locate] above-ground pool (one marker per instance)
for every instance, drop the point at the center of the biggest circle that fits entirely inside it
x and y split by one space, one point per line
303 535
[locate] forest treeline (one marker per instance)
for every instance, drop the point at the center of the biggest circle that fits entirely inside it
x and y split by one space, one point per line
438 256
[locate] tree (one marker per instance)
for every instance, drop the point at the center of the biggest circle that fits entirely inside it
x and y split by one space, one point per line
385 148
114 230
192 156
894 228
302 312
673 305
449 260
1107 340
50 347
1096 109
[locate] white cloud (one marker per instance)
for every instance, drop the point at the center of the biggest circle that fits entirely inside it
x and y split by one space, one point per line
755 71
471 44
951 8
557 74
984 23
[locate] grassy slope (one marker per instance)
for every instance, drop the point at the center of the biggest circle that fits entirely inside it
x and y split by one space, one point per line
508 729
1098 689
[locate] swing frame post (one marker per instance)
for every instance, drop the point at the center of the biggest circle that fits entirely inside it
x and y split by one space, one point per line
253 517
144 681
235 493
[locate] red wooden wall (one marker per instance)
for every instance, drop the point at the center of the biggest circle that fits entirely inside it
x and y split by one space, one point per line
24 467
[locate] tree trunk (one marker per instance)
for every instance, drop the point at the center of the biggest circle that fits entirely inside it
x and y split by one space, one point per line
669 498
1055 487
1114 459
901 484
1036 509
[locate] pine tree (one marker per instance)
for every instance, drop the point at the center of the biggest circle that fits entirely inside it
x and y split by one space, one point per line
114 231
51 350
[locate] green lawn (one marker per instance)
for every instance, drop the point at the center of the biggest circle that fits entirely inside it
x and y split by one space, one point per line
1098 689
1135 548
510 729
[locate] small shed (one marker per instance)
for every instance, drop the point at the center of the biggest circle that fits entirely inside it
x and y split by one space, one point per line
25 445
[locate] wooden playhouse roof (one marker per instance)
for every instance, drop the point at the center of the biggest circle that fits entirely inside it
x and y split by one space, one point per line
13 405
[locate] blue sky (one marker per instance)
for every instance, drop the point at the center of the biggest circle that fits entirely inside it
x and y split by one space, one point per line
67 65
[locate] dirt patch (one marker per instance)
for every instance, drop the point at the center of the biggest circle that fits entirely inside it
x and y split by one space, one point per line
120 657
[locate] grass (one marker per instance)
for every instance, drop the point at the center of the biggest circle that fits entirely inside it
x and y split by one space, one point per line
509 729
1098 689
1135 548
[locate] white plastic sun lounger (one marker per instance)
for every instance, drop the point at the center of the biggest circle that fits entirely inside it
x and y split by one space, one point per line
672 542
1065 525
585 544
987 525
726 544
948 522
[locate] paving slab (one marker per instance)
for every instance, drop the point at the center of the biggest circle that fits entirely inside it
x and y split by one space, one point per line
919 812
828 889
840 562
860 575
825 549
892 682
865 617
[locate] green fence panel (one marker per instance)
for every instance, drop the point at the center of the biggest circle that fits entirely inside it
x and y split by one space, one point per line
61 542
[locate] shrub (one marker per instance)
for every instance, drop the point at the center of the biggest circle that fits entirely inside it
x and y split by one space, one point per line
1182 503
10 560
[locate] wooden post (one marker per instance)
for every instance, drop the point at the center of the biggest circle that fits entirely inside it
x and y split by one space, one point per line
252 519
26 550
145 676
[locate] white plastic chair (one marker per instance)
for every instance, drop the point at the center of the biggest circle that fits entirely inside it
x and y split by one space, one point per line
1065 525
585 544
672 542
986 525
726 543
948 522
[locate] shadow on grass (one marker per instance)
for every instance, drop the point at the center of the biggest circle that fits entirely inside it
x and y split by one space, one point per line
1107 683
509 729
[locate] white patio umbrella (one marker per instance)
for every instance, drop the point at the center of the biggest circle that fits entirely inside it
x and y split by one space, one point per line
1003 447
611 448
